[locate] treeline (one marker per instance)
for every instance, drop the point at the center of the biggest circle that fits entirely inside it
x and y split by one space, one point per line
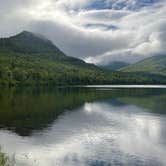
21 69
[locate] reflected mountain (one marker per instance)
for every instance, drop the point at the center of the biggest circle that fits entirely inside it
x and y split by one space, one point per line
25 110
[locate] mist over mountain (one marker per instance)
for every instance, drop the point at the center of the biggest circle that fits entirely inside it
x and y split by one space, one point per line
32 44
29 59
96 30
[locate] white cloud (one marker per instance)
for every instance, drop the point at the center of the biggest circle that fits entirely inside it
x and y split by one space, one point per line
140 30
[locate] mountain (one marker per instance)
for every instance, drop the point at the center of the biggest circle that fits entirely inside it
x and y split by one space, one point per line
30 44
31 59
115 65
27 42
155 65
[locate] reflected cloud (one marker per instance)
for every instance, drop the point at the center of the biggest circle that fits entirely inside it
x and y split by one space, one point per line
98 133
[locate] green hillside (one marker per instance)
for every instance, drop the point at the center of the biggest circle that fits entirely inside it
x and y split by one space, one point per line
154 65
30 59
115 65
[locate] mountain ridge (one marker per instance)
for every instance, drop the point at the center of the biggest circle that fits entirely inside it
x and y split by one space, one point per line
153 65
29 43
28 40
26 59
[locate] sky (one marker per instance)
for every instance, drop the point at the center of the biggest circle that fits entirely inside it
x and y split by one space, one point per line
97 31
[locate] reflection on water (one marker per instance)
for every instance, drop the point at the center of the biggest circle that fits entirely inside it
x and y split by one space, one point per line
84 126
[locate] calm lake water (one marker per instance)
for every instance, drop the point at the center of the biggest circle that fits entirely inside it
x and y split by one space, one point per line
92 126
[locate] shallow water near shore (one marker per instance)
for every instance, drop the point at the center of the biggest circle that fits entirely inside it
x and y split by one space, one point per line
85 126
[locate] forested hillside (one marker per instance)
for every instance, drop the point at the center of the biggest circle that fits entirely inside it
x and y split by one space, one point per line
154 65
30 59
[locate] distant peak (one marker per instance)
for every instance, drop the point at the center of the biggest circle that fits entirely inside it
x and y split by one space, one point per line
31 35
30 42
26 33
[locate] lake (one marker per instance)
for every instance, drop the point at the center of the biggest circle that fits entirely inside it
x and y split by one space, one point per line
84 126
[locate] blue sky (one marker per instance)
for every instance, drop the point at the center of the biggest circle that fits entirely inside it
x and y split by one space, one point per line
136 5
121 4
97 31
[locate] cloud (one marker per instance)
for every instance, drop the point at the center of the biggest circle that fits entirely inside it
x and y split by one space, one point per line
98 31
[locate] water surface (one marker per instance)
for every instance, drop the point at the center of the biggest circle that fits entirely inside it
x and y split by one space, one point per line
94 126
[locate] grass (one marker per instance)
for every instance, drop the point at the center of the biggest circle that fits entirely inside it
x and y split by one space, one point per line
4 159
